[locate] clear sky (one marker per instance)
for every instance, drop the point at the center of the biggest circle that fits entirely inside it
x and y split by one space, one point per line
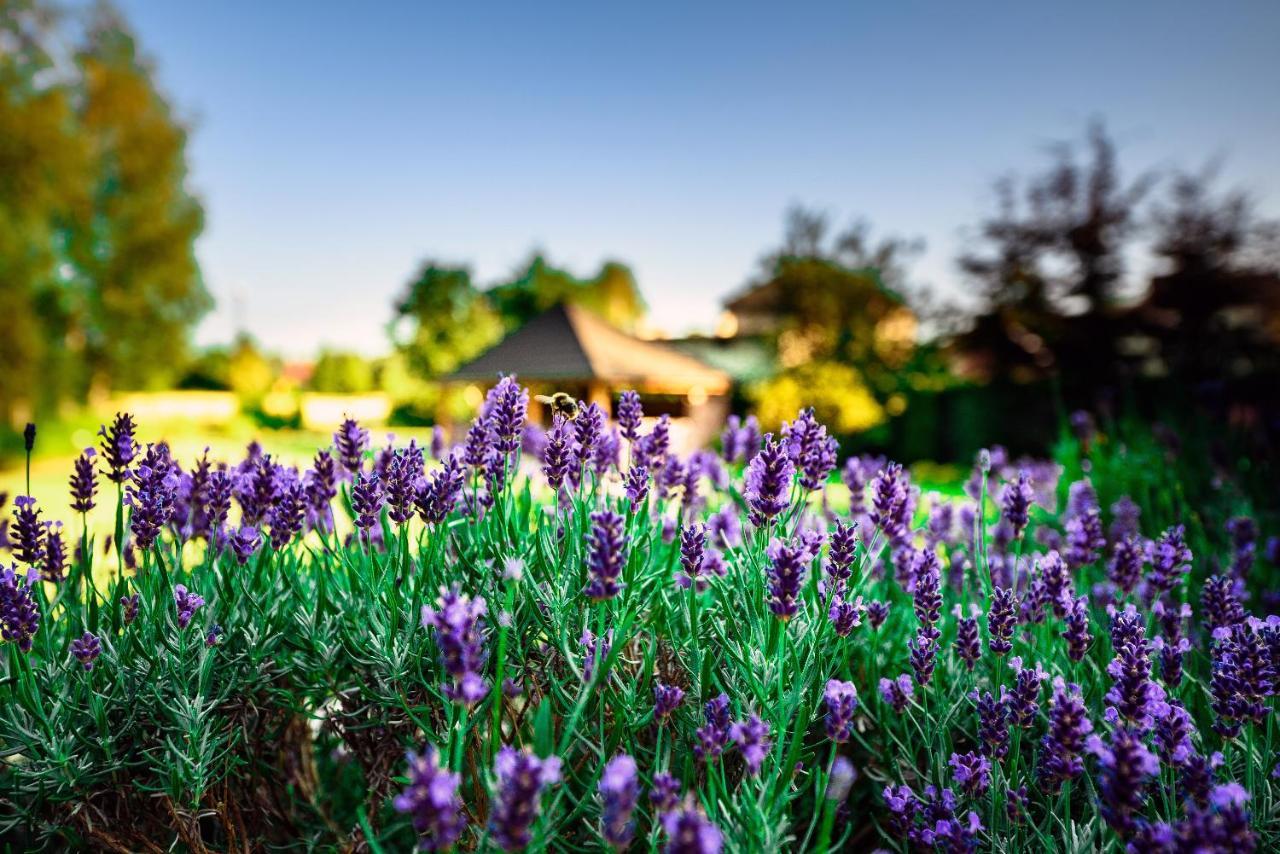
338 144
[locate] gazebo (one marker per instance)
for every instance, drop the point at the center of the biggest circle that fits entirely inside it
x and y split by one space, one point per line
567 348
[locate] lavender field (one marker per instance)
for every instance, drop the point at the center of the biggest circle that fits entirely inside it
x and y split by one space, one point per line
579 640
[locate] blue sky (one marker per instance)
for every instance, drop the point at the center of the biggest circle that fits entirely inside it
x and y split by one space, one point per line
338 144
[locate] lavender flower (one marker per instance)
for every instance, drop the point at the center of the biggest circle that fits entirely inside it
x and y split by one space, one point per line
724 530
215 499
1133 697
1243 678
1015 804
1221 824
842 700
892 502
351 442
478 446
1126 766
1195 777
28 531
1170 559
840 780
714 736
877 613
665 700
926 595
431 800
689 831
1015 503
786 573
938 530
993 724
404 474
1084 538
897 692
287 511
606 555
665 794
636 483
845 616
630 413
19 613
1125 517
129 608
521 779
438 493
924 652
244 542
86 649
1000 620
84 482
854 474
459 627
1244 542
1222 609
839 565
1062 745
1125 567
968 645
118 447
367 500
972 773
810 448
732 440
55 553
151 493
588 428
1173 729
693 545
559 456
1023 701
1057 580
1076 630
768 479
752 738
619 791
187 603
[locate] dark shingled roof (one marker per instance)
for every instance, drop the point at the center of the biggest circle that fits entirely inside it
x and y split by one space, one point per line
569 343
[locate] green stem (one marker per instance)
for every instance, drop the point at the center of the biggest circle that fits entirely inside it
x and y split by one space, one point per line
499 676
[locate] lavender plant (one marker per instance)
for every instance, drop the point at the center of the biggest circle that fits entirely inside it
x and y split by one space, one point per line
590 640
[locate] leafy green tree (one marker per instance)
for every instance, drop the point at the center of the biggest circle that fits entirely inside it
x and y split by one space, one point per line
132 246
838 298
442 320
612 293
42 170
339 372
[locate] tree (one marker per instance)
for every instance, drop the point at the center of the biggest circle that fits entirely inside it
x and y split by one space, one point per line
140 289
443 321
830 301
339 372
612 293
1050 267
42 170
1217 304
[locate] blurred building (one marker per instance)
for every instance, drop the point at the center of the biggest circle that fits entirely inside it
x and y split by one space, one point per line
568 348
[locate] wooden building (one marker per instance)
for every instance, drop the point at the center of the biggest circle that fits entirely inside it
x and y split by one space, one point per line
567 348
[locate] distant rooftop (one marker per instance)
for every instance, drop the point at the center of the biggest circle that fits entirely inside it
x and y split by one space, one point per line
568 343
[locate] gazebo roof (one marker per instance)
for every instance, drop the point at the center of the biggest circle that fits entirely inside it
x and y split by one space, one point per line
567 343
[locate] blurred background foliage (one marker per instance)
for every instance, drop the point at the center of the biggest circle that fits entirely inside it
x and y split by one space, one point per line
101 289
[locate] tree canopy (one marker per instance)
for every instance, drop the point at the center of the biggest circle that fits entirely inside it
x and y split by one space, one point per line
99 283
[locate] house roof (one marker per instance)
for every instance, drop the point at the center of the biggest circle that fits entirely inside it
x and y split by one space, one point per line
568 343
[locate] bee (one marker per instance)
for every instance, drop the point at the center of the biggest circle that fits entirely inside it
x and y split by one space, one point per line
561 404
